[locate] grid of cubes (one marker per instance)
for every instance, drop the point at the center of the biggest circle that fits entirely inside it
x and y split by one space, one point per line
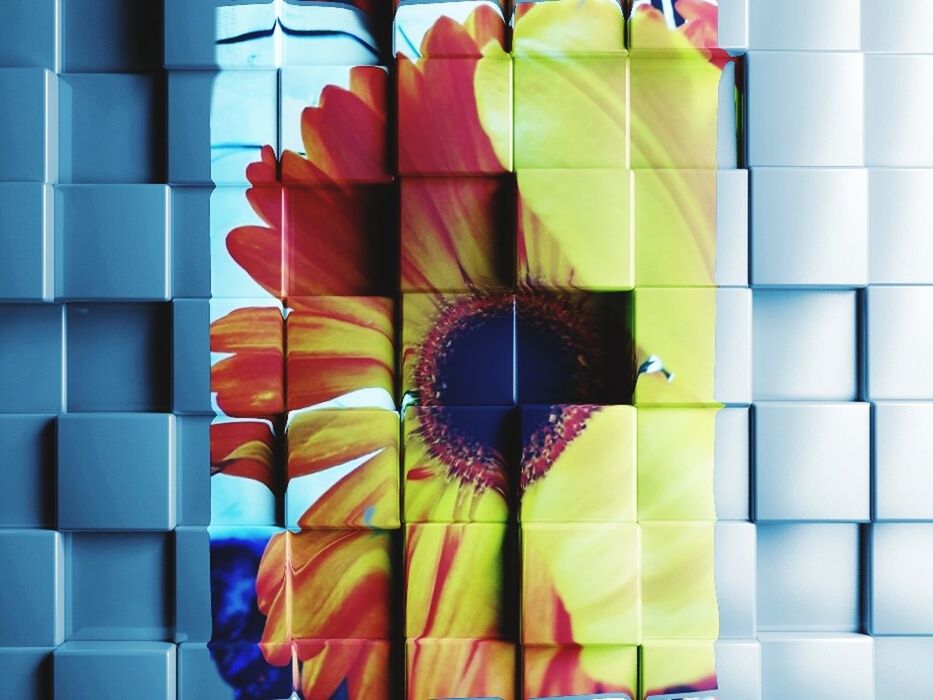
92 373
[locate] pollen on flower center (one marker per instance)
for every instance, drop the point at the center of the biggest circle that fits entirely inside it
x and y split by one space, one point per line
549 347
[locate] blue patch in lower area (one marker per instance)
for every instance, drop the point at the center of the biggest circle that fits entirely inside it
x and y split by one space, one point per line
238 623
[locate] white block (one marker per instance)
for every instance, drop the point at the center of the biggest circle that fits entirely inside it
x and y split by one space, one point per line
731 465
805 345
897 26
900 343
732 228
805 109
808 577
803 666
809 227
735 579
733 372
803 25
901 590
812 461
899 110
899 230
902 667
903 458
733 24
738 670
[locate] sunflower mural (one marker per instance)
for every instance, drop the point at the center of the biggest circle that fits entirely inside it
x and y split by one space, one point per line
464 350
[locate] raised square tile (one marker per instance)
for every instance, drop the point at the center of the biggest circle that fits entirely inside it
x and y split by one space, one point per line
104 670
902 444
26 242
112 128
32 355
808 577
817 666
824 92
901 590
32 593
805 345
899 363
98 256
812 461
116 471
809 227
29 128
119 357
896 113
27 453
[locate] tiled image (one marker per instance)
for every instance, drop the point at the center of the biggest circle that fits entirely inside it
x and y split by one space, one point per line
465 349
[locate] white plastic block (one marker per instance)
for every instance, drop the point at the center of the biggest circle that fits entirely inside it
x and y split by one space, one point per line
817 667
735 579
733 25
810 227
901 590
808 577
805 109
897 26
731 465
802 25
733 374
898 110
805 345
902 667
812 461
903 460
732 228
738 669
899 229
900 343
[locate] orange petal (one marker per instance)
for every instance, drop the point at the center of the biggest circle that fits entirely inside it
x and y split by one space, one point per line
249 383
340 584
452 236
244 448
336 240
345 135
337 345
460 668
563 670
319 440
363 664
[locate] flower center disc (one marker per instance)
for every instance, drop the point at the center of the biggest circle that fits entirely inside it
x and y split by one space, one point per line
499 350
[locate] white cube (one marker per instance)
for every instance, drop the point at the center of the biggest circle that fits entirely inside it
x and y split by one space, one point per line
897 26
810 227
805 345
902 667
731 465
901 589
802 25
802 666
733 375
735 579
900 343
900 215
738 669
732 228
805 109
732 32
812 461
903 458
808 577
899 110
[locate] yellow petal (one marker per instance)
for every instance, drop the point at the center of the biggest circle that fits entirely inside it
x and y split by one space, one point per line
454 578
675 463
593 479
